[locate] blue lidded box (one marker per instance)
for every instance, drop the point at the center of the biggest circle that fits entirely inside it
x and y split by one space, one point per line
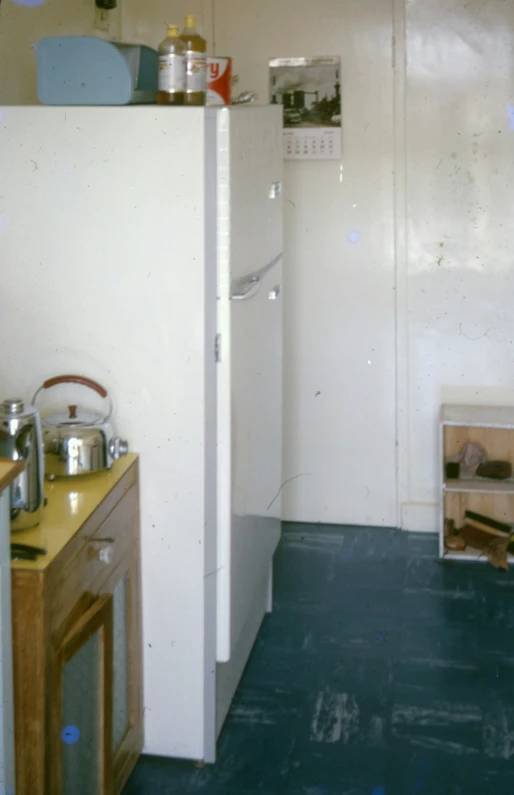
84 70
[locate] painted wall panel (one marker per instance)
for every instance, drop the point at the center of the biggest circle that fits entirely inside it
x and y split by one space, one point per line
24 22
460 330
339 296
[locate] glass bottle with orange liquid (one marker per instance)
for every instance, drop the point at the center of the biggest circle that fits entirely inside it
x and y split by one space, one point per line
196 63
172 69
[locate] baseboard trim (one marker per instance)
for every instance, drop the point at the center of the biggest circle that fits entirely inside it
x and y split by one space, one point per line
420 517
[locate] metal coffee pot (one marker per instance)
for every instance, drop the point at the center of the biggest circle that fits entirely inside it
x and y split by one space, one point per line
21 439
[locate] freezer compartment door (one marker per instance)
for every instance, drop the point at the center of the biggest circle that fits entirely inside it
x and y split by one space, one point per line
249 446
249 190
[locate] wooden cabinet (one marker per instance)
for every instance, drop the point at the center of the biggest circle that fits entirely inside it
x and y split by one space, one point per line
9 470
77 640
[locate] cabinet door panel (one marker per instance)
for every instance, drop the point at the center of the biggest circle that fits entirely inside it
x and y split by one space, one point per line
81 714
127 718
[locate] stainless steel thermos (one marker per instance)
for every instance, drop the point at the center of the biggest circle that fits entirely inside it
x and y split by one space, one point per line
21 439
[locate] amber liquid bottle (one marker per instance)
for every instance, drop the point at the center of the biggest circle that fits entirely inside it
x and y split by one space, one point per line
172 69
196 63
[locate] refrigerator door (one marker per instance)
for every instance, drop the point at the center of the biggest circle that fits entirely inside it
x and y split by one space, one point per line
249 450
249 190
249 211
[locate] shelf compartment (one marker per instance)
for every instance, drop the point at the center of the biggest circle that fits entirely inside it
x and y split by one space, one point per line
498 443
492 427
499 506
496 506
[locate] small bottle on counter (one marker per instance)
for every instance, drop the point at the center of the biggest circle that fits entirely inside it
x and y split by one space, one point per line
172 69
196 62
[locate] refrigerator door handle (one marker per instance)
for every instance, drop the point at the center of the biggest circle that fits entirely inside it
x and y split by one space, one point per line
247 290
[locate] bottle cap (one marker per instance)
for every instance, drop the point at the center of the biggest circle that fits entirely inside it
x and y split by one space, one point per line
190 21
173 31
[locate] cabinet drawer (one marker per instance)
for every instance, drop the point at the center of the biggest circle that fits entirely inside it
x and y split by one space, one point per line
83 577
67 552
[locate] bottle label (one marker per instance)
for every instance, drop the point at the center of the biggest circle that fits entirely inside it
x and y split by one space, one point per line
172 73
196 71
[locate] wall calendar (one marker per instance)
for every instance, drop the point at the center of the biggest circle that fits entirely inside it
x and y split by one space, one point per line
309 90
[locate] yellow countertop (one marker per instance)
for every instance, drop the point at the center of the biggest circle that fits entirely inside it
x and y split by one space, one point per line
8 471
70 503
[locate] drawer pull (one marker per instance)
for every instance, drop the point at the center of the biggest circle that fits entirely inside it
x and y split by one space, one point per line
106 554
96 540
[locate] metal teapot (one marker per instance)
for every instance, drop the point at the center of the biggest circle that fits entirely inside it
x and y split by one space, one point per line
21 439
78 442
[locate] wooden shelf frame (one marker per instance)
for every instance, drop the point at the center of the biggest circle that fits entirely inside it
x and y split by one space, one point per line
493 428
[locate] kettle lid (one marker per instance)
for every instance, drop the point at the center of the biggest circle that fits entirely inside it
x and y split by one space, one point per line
75 416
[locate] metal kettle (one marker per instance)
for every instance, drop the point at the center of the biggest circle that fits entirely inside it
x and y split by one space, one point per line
21 439
77 441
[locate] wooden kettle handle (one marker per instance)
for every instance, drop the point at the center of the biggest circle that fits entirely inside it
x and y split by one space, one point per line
75 379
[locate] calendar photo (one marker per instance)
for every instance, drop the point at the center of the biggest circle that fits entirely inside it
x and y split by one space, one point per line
309 91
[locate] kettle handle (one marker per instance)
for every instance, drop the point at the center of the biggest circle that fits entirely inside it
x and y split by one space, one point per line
75 379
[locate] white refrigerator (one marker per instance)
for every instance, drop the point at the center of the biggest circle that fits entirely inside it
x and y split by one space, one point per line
142 247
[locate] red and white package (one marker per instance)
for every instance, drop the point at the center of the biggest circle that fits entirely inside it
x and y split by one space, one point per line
219 81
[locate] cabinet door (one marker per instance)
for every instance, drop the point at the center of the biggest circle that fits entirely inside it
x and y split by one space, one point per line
127 712
81 707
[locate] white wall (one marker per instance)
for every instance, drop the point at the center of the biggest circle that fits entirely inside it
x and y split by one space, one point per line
339 296
458 323
435 123
21 27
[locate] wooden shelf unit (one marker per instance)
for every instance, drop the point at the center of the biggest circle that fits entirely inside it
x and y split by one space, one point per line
493 428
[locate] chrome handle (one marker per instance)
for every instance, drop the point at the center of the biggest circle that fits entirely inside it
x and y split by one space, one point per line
274 294
248 290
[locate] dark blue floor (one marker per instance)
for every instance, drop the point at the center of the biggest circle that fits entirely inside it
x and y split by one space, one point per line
380 672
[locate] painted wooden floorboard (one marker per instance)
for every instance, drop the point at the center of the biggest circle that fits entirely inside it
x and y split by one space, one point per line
381 671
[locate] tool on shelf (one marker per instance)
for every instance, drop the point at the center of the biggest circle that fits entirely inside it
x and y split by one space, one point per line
26 552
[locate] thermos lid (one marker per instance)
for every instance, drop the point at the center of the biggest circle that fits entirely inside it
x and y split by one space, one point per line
16 409
13 406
